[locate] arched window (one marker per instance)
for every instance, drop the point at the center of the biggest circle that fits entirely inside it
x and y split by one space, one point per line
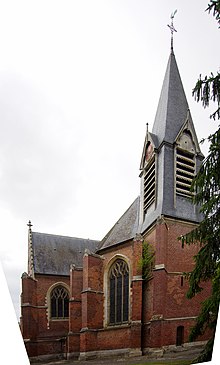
59 302
118 292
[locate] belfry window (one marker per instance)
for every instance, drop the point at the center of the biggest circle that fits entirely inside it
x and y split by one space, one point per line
185 172
118 292
59 301
149 184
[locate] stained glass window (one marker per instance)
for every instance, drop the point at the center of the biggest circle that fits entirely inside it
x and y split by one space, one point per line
59 303
118 292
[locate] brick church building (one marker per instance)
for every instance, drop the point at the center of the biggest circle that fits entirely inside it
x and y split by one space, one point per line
83 298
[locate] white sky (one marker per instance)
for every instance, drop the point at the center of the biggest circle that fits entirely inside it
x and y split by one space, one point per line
79 80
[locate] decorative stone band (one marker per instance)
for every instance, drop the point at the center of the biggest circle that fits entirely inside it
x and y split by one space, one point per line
159 267
159 317
162 267
89 290
109 353
179 318
137 278
34 306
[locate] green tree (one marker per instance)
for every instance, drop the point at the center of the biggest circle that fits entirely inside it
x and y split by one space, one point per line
206 188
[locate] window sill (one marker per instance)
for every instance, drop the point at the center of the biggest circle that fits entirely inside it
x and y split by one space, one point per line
117 325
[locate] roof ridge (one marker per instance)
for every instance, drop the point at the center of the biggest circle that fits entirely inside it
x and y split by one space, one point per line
58 235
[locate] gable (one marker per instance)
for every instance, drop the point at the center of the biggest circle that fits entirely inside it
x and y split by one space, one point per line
150 144
187 138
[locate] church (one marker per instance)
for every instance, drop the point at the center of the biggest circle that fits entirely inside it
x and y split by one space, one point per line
83 298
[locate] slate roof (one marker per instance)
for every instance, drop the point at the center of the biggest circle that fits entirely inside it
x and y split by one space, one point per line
54 254
172 107
124 229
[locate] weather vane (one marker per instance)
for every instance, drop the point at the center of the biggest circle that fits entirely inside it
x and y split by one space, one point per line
172 29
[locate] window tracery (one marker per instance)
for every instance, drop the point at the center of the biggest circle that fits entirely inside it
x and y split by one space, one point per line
59 303
118 292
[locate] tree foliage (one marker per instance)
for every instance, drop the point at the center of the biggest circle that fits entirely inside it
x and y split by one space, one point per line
206 189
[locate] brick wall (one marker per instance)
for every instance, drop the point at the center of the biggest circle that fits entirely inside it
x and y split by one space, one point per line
45 336
164 297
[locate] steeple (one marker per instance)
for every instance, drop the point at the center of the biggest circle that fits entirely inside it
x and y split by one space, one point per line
172 107
171 156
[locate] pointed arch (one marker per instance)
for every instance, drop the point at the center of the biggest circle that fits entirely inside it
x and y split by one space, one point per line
117 291
58 301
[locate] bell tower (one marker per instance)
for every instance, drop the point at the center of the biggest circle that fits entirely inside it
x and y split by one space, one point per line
170 160
171 156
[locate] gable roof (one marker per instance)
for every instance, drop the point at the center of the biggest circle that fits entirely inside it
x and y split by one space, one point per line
53 254
124 229
172 107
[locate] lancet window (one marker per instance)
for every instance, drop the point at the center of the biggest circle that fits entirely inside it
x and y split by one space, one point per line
59 300
119 292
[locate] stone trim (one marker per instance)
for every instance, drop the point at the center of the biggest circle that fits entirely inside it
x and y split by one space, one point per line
117 326
73 267
163 267
137 278
155 352
89 290
90 253
128 352
34 306
159 267
159 317
179 319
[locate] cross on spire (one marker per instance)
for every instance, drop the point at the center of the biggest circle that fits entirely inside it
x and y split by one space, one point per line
172 29
29 224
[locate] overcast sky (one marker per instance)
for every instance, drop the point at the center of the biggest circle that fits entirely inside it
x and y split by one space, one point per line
79 80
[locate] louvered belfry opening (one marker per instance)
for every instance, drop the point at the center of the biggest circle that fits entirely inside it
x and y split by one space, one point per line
185 172
149 184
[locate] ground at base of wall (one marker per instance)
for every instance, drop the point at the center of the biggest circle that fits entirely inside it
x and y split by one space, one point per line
177 356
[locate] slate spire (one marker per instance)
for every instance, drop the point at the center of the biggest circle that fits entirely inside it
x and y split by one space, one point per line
171 156
172 107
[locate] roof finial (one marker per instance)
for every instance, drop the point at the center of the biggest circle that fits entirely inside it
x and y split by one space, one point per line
29 224
172 29
147 131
